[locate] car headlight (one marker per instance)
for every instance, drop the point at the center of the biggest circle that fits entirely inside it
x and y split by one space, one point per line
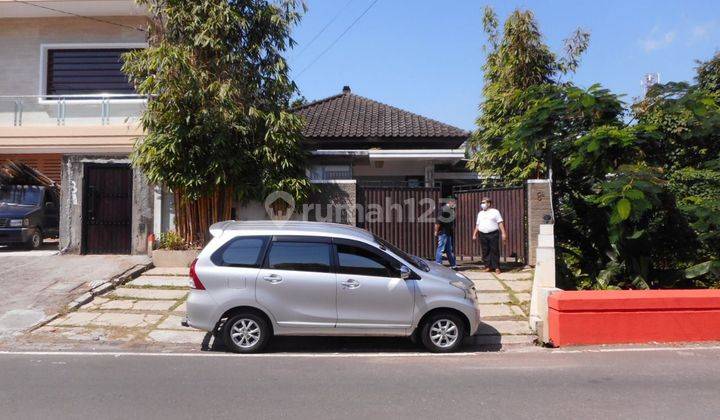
18 222
462 286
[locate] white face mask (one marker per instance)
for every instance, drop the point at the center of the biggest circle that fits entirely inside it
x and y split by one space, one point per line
483 206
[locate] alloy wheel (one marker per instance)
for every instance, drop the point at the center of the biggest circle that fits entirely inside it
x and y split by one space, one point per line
444 333
245 333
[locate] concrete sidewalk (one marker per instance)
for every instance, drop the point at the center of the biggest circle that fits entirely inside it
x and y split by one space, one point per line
505 305
36 285
148 309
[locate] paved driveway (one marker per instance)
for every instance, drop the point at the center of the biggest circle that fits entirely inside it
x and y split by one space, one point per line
35 284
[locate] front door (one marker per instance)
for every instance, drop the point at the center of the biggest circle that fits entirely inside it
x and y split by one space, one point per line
107 209
296 284
371 293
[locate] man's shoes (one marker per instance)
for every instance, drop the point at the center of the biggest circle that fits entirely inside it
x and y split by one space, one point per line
454 267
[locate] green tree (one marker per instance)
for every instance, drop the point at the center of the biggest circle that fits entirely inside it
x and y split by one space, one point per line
635 203
217 126
683 120
517 59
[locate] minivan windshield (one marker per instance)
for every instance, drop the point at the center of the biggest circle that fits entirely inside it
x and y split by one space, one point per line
416 262
20 195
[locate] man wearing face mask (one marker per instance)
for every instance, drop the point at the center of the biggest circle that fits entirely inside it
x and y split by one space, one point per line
490 226
445 232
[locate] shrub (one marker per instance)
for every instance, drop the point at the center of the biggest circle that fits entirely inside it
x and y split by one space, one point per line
172 241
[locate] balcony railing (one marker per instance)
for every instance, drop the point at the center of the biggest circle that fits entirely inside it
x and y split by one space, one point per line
71 110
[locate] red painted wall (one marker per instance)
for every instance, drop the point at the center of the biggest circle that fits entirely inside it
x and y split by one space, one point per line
633 316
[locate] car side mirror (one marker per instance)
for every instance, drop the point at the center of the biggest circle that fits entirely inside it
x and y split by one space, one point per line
405 272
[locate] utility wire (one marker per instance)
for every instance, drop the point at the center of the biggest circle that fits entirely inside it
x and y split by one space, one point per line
332 44
317 35
80 16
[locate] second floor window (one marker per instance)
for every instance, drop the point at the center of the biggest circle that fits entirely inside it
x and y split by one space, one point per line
86 72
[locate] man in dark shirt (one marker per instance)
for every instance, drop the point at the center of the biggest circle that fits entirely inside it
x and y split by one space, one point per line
444 231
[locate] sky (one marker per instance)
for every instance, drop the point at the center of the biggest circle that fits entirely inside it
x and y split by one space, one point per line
426 56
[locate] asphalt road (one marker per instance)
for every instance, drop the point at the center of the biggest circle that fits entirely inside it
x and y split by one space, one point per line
681 383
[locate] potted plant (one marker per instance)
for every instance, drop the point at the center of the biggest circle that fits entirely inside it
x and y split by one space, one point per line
173 251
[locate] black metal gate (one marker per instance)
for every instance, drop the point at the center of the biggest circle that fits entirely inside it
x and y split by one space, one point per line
107 209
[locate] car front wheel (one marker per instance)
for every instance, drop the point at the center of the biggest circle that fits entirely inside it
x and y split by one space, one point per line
35 240
246 333
443 333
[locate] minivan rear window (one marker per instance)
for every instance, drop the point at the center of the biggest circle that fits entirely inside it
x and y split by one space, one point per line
299 256
240 252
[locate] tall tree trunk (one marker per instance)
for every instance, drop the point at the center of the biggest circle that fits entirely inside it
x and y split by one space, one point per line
193 218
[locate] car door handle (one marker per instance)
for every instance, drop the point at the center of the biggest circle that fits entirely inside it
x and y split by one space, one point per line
351 284
273 279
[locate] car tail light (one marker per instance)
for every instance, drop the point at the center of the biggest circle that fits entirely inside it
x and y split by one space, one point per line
196 283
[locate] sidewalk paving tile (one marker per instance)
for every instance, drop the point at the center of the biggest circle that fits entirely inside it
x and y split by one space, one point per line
178 337
519 285
168 271
153 305
181 308
504 327
113 319
160 281
172 323
95 303
493 297
479 275
117 304
149 293
522 297
516 275
495 310
86 334
517 311
76 319
488 285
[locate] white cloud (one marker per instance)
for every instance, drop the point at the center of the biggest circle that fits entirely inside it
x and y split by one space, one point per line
657 40
703 31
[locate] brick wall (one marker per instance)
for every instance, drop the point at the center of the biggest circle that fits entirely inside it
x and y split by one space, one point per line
539 205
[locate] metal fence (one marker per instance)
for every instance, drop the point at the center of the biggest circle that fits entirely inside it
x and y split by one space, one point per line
402 216
511 202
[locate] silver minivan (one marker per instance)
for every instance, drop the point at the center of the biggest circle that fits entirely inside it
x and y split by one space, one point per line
258 279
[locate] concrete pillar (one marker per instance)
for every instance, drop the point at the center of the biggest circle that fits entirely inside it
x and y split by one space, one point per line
539 206
543 281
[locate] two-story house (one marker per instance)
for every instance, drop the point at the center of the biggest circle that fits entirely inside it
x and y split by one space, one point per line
67 109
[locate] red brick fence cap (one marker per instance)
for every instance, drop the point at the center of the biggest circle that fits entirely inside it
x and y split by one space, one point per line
627 300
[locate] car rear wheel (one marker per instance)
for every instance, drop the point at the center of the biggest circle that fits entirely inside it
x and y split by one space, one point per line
35 240
443 332
246 333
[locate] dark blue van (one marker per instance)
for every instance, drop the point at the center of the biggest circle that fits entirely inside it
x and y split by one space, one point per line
28 214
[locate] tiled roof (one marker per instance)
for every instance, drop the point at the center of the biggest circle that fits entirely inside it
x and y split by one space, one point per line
352 116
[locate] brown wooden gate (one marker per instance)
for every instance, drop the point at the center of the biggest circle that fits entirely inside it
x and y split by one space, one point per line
402 216
107 209
511 203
